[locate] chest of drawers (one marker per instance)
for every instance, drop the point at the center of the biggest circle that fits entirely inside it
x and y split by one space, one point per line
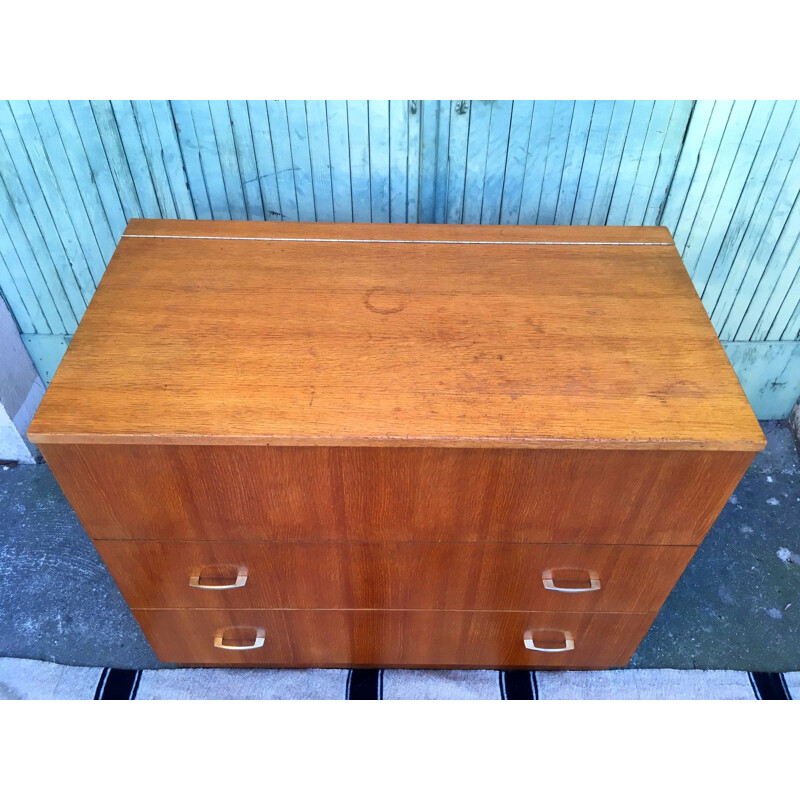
395 445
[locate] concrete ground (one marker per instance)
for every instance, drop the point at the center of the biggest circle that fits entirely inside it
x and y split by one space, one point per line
737 606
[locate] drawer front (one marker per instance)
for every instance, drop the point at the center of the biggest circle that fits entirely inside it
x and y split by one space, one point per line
412 638
395 493
406 575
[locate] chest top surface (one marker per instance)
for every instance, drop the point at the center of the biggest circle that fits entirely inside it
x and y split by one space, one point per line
396 335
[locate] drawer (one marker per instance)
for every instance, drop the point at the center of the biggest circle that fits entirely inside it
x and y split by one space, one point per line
391 494
409 638
401 575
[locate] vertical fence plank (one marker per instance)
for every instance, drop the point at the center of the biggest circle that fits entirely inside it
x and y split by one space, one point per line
612 158
172 159
457 149
301 159
265 160
227 158
429 131
592 161
538 144
496 155
573 161
282 153
339 147
152 150
518 135
554 165
629 163
319 154
190 156
379 164
358 136
413 160
649 161
398 161
442 159
133 153
480 116
210 159
246 159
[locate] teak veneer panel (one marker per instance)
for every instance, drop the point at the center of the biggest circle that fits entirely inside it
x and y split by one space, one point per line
393 638
241 333
319 575
395 494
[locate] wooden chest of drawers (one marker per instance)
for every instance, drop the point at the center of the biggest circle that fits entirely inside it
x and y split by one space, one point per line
395 445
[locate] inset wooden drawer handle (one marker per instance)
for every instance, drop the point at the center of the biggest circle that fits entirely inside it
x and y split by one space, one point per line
258 641
569 644
549 583
239 581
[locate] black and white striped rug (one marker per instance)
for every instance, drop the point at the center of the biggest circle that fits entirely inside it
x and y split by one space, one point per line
24 679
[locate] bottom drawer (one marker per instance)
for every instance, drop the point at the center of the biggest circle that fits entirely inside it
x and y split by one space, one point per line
411 638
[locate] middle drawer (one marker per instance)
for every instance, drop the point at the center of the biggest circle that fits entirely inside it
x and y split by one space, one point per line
398 575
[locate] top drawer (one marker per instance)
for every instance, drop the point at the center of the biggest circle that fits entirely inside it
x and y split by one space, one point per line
198 492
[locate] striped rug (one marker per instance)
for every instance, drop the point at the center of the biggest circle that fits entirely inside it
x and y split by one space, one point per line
23 679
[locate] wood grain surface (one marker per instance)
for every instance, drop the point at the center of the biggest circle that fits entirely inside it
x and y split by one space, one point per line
336 575
370 343
395 494
464 639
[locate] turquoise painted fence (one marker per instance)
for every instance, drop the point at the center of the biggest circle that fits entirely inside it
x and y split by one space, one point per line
723 176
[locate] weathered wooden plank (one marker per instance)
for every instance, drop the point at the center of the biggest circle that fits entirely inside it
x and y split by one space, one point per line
153 157
573 161
769 373
687 164
358 136
282 154
516 156
612 158
785 323
134 154
17 289
58 115
429 129
227 157
246 159
23 244
480 115
339 147
265 160
592 161
106 125
27 154
190 156
209 159
766 224
442 159
301 159
398 161
629 163
14 300
738 205
320 158
668 160
79 113
707 155
379 163
774 279
554 166
457 150
732 143
496 154
538 144
649 161
171 157
414 136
